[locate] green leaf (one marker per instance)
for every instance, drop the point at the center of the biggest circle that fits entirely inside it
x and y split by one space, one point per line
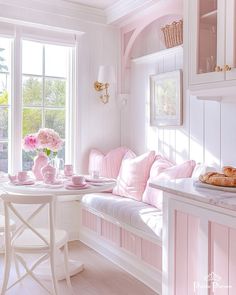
48 152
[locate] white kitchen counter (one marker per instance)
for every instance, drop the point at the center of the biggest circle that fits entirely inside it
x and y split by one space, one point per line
186 189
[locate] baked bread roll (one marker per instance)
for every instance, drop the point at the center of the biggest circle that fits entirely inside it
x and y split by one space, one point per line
218 179
229 171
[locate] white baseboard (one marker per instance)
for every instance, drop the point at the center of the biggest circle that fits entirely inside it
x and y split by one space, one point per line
140 270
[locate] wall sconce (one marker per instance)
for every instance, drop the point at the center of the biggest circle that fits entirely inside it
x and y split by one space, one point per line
106 76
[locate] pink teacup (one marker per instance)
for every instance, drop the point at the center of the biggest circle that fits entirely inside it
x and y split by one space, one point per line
78 179
22 176
68 170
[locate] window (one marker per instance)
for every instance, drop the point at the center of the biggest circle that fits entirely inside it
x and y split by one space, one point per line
5 100
38 68
45 83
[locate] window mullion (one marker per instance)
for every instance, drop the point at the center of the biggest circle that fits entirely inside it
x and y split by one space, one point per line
15 130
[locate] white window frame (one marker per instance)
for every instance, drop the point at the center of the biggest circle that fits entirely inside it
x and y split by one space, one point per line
18 33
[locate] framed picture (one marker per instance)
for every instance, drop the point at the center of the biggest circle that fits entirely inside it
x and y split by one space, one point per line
166 99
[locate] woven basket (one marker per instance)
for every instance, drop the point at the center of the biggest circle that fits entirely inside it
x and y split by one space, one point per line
173 34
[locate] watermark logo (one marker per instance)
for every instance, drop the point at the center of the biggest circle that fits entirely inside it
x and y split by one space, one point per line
211 281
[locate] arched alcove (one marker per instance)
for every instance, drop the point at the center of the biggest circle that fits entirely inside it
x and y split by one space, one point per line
151 39
143 36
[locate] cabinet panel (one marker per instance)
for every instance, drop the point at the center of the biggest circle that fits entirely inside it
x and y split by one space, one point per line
219 261
193 229
181 253
232 262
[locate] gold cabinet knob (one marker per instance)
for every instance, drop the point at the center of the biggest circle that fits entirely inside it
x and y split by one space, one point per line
227 68
218 69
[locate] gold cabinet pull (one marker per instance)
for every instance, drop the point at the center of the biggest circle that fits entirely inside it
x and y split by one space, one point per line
218 69
227 68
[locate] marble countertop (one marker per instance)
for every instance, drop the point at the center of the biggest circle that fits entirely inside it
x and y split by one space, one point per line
186 188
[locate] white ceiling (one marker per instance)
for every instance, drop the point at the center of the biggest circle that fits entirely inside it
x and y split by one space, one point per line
102 4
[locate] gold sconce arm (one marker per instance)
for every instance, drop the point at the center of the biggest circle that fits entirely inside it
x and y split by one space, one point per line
100 87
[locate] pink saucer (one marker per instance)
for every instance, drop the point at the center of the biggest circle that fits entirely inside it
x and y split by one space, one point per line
55 182
26 182
72 186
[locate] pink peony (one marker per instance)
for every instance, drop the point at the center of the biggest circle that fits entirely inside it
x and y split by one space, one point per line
50 139
30 142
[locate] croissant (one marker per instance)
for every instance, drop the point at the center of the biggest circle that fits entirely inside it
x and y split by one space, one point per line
229 171
218 179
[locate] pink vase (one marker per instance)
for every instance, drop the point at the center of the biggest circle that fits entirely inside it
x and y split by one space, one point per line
40 161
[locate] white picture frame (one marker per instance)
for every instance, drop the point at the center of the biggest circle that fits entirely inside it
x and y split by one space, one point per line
166 99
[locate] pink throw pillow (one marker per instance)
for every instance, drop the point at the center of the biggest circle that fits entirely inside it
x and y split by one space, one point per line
163 169
133 175
107 165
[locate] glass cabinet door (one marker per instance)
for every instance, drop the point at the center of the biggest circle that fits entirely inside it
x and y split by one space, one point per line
207 36
207 40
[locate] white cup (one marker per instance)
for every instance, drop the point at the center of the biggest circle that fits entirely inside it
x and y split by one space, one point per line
95 174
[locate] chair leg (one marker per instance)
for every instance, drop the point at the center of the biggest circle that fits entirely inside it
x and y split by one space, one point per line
68 281
54 279
7 267
16 266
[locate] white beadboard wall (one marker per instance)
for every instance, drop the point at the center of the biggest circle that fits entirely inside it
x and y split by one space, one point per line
208 132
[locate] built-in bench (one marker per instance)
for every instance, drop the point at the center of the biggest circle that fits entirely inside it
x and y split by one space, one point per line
126 231
126 225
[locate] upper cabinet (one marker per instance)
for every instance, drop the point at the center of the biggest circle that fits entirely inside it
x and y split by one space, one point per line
212 43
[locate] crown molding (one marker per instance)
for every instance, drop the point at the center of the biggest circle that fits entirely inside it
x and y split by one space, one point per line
60 8
121 10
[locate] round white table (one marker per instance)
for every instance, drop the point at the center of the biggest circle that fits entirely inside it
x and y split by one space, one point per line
63 195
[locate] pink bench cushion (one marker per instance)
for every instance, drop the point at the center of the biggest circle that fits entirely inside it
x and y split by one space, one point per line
133 175
163 169
107 165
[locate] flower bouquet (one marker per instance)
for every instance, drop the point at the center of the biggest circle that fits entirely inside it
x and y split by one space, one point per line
47 143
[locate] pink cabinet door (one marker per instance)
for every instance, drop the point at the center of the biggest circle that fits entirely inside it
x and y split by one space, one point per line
222 260
221 248
186 253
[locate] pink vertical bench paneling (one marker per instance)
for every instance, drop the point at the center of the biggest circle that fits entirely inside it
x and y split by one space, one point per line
145 250
151 254
131 242
181 253
220 256
193 228
90 220
110 232
232 262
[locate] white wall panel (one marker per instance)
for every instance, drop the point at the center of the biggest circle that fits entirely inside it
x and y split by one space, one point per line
212 133
228 133
196 129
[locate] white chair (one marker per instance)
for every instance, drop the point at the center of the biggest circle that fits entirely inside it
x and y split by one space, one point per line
28 239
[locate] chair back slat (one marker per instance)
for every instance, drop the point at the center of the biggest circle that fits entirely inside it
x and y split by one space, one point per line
21 228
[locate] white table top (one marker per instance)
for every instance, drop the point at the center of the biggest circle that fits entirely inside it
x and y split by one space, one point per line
187 189
60 191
